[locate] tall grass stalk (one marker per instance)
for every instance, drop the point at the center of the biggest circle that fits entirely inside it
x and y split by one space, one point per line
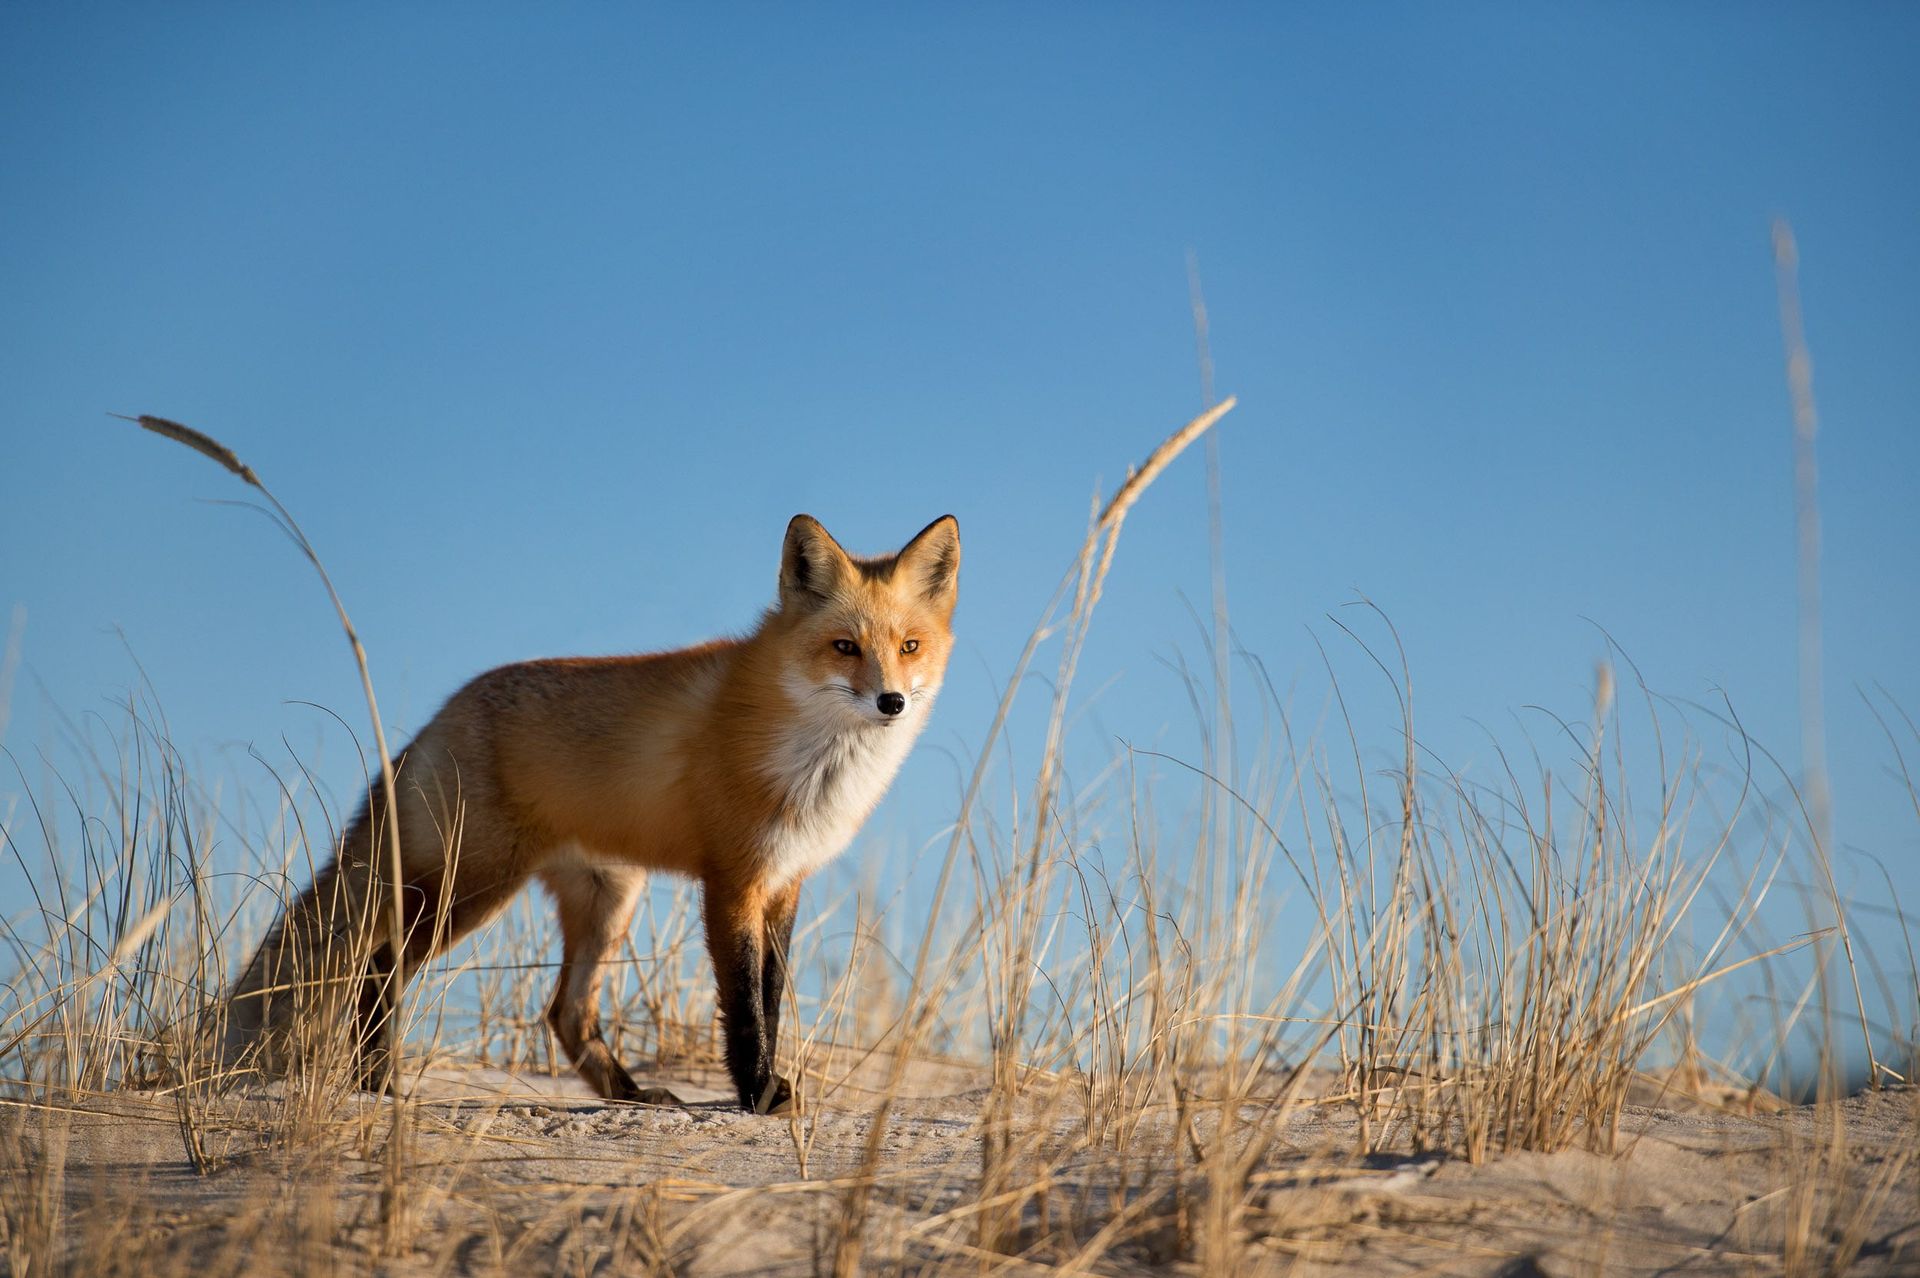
1086 579
1806 509
394 1203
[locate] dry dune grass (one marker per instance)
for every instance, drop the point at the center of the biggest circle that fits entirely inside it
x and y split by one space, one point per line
1098 1056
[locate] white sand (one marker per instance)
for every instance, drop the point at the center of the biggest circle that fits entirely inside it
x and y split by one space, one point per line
528 1175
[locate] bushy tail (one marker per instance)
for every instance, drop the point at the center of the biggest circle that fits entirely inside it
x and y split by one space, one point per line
309 978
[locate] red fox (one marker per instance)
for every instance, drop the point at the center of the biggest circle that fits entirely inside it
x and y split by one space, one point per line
743 763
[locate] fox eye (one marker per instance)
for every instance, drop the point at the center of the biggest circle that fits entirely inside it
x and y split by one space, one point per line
846 647
911 645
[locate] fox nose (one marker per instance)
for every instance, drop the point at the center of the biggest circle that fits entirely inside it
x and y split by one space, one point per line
891 703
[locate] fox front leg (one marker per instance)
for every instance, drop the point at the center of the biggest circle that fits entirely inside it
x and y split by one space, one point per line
778 916
737 942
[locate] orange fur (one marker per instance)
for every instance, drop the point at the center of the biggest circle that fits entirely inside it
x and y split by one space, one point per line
742 763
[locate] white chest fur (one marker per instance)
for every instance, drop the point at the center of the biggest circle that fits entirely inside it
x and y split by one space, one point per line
832 775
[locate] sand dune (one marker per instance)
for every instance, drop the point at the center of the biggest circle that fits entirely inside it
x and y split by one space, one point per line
527 1174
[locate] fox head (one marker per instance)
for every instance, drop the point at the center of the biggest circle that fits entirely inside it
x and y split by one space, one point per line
870 637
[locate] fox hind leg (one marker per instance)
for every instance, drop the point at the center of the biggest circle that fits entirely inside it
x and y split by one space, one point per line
434 919
595 901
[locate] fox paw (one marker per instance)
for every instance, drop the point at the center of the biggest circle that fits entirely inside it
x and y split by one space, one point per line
777 1097
655 1096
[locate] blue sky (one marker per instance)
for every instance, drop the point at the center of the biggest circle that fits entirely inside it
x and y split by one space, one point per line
544 322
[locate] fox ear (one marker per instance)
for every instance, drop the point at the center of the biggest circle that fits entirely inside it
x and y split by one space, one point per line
811 563
932 560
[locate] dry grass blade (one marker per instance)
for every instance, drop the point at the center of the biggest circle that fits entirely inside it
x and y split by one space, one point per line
199 441
10 663
1142 476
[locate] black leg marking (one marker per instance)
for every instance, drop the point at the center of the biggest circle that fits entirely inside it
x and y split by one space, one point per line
736 940
774 971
